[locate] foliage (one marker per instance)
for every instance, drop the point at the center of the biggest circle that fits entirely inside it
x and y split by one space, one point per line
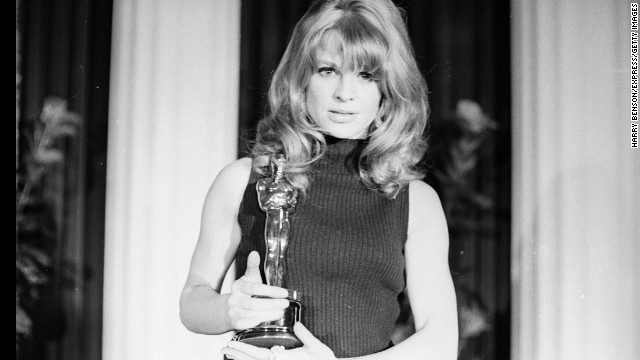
461 137
43 156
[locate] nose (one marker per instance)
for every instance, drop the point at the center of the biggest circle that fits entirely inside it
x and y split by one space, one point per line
345 90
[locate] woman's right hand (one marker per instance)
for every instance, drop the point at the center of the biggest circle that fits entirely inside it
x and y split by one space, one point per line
246 306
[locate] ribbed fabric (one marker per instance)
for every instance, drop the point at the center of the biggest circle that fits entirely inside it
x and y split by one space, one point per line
345 254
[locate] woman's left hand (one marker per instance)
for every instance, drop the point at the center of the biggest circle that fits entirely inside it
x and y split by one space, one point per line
312 349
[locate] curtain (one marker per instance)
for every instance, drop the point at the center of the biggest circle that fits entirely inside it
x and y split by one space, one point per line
172 127
575 221
62 72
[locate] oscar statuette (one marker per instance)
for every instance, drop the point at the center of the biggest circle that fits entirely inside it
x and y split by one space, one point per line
277 199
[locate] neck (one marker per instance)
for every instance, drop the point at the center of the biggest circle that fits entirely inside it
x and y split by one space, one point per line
330 139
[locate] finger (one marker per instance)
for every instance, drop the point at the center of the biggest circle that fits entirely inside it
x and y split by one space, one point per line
305 335
255 289
252 303
248 350
234 354
249 319
253 267
262 315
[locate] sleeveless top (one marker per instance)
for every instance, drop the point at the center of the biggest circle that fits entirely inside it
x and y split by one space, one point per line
345 253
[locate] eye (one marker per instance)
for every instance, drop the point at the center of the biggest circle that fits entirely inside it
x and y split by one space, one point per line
367 76
326 71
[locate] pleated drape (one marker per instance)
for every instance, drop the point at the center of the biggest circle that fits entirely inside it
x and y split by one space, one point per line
172 127
575 201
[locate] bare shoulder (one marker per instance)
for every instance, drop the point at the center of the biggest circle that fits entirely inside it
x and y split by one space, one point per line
240 168
231 181
426 216
423 197
235 173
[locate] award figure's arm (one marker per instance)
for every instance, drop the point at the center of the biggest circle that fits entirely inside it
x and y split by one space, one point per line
276 240
285 226
203 309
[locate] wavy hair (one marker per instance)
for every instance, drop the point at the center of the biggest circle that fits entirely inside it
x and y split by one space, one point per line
371 35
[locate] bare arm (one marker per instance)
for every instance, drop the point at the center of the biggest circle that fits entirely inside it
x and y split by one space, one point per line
203 309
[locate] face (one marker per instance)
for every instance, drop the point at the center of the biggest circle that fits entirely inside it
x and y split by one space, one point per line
343 103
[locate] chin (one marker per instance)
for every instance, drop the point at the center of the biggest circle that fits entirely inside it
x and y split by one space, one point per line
346 133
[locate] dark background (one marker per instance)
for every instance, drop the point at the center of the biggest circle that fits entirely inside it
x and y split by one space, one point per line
64 52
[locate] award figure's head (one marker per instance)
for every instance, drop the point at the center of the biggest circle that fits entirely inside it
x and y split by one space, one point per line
276 193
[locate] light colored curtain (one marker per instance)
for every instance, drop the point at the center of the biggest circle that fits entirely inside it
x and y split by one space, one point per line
172 127
576 235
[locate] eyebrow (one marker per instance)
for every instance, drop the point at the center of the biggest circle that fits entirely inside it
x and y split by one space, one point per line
327 62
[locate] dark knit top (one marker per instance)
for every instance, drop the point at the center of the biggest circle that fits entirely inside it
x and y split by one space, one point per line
345 252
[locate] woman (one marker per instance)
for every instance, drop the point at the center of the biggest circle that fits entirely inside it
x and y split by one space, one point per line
348 109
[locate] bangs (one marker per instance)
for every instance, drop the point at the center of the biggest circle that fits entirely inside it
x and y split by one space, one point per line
362 46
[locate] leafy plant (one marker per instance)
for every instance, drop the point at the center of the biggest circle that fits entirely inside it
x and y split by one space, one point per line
43 156
461 137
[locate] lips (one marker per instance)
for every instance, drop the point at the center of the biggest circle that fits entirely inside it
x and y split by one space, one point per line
341 115
340 111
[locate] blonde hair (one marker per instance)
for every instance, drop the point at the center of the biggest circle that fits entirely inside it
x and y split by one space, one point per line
372 36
